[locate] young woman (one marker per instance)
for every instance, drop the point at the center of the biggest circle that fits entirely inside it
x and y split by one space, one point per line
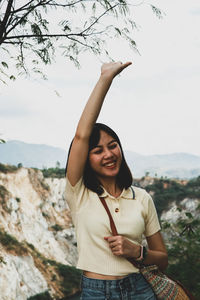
96 167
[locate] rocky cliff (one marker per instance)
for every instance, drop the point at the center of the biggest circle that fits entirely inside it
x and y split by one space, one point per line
36 235
37 242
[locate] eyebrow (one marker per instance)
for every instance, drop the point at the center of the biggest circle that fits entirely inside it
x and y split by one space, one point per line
100 146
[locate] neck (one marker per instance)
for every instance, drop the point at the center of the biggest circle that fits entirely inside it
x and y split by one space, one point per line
111 186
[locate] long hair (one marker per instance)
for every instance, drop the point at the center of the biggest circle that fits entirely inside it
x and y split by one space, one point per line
124 178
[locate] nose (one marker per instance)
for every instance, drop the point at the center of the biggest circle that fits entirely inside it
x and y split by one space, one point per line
107 153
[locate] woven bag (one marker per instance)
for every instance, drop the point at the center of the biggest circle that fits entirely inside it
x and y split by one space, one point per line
164 287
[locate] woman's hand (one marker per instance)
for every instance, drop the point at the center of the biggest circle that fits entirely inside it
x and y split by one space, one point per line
120 246
113 68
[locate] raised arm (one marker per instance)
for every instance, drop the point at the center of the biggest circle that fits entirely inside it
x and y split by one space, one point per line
79 149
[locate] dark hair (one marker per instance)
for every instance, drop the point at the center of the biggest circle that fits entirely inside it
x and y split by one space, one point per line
124 177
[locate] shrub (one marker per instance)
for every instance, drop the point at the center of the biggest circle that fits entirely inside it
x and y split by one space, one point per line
166 191
183 251
7 168
3 192
53 173
56 227
71 278
41 296
11 243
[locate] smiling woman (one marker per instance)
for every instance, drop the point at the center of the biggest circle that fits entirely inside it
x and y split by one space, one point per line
96 167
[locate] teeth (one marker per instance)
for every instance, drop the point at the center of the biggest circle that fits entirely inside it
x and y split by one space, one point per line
109 164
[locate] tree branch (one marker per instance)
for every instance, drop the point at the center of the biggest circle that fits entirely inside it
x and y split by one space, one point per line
22 36
82 33
83 44
96 21
24 16
22 7
5 19
66 5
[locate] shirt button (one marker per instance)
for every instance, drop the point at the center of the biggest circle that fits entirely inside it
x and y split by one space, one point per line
116 210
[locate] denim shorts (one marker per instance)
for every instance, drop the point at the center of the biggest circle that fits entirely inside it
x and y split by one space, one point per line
131 287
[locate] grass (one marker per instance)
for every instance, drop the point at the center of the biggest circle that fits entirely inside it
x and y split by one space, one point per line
3 192
10 243
7 168
41 296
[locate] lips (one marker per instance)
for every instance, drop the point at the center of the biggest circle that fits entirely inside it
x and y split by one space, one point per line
109 164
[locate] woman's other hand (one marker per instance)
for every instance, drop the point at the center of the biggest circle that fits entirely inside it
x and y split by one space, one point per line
112 69
121 246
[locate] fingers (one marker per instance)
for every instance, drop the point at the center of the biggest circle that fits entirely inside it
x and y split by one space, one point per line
110 238
115 244
122 66
125 65
112 69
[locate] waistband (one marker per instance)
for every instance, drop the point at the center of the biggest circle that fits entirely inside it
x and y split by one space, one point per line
127 283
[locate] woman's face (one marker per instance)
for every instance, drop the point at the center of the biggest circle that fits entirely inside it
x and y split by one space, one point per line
105 159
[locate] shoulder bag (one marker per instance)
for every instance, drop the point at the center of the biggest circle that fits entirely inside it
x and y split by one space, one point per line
164 287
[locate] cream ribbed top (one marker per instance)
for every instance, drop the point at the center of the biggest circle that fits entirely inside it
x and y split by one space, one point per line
133 219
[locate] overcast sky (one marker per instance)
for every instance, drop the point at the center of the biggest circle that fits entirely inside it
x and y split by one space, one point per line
154 105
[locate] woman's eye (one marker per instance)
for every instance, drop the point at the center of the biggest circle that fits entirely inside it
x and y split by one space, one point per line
97 151
112 146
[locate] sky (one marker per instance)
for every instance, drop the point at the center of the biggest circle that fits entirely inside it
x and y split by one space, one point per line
154 105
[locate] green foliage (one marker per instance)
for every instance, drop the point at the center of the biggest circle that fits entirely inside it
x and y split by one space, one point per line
183 251
11 243
184 235
20 165
7 168
71 278
56 227
53 173
44 185
41 296
165 191
3 192
31 246
29 33
2 261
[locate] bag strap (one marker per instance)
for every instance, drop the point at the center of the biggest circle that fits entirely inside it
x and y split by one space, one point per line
130 259
114 229
112 223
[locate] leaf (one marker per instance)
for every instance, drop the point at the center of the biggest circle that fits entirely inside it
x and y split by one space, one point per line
4 64
12 77
66 27
57 94
117 29
157 11
2 141
189 215
94 7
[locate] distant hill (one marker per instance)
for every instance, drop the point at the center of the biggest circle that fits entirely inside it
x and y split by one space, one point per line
32 155
175 165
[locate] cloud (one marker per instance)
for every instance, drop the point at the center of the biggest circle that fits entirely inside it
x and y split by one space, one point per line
153 105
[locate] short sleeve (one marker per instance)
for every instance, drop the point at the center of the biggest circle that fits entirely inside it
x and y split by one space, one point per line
152 224
73 194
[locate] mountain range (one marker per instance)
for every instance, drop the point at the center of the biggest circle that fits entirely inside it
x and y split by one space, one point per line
175 165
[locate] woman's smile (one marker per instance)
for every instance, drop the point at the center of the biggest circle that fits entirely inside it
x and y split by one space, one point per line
105 158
